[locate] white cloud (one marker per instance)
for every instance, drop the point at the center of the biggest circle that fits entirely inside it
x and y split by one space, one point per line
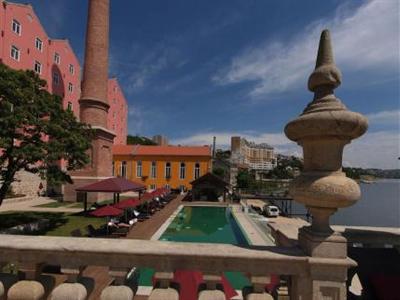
385 117
151 66
373 150
363 39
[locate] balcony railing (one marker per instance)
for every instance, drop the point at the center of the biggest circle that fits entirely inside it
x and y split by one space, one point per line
308 277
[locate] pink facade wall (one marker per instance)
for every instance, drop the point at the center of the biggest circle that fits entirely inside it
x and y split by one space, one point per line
118 113
30 29
66 76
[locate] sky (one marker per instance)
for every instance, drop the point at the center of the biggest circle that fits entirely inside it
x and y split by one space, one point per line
191 70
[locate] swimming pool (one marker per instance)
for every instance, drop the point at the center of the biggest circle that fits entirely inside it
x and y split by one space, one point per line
204 224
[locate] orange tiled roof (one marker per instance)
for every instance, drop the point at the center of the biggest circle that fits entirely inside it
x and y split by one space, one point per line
162 150
122 149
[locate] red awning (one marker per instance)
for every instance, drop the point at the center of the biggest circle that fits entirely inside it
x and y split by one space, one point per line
113 185
107 211
132 202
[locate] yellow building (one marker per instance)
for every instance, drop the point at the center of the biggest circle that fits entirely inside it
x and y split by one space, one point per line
161 166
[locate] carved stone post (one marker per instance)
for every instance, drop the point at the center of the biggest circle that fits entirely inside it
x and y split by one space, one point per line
32 287
257 291
211 292
74 287
120 290
323 129
163 291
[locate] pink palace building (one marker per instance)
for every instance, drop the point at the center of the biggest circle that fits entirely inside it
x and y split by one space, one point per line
24 44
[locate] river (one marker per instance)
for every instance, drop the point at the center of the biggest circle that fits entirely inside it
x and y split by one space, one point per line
379 206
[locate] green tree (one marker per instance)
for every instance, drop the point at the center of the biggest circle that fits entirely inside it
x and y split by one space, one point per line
139 140
219 172
36 132
243 179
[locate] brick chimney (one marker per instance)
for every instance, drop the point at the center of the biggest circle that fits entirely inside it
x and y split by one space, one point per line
93 103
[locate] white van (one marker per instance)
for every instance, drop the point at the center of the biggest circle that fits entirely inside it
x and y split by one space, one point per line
271 211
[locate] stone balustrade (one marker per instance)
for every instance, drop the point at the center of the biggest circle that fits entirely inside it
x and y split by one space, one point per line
308 275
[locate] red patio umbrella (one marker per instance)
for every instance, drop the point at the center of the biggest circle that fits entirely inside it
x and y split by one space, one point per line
107 211
131 202
146 197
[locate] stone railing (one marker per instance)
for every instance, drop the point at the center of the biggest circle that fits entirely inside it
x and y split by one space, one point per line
308 277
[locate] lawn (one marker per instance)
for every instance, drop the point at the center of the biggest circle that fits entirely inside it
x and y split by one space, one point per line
74 222
61 224
54 204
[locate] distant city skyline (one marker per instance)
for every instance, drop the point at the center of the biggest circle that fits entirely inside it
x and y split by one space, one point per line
193 70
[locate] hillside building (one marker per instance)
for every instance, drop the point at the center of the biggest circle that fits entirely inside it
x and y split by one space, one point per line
160 140
250 156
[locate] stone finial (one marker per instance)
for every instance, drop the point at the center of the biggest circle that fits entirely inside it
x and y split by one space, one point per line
323 129
326 73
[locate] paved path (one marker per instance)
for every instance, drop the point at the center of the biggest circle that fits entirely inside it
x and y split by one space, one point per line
254 234
30 205
145 230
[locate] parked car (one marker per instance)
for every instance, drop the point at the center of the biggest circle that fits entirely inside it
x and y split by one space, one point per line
271 211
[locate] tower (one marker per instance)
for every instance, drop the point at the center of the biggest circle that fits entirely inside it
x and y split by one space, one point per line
93 103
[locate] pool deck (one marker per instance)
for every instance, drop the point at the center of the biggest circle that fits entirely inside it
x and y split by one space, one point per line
253 234
145 230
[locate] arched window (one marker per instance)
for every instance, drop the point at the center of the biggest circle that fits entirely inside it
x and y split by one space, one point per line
139 168
182 171
123 169
168 170
153 169
196 170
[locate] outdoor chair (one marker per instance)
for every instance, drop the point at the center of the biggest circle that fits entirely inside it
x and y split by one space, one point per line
93 232
76 233
123 231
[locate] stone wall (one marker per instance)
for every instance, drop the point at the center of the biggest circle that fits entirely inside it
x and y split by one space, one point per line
27 183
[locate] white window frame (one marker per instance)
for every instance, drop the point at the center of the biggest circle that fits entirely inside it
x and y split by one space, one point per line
39 44
70 87
57 58
182 170
196 170
71 69
152 186
168 170
139 168
70 106
15 53
153 169
37 67
123 169
16 27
